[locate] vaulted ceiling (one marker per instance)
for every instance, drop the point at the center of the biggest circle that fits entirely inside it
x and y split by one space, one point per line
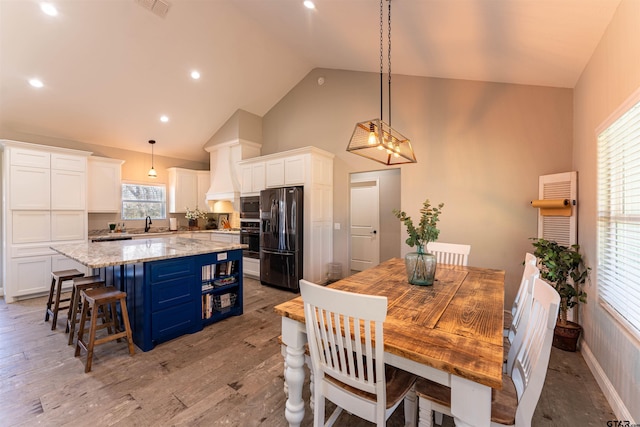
111 68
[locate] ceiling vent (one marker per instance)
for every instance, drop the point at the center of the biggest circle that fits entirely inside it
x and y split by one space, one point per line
159 7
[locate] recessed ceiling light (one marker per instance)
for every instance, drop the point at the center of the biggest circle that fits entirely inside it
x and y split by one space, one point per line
309 4
195 75
49 9
164 119
36 83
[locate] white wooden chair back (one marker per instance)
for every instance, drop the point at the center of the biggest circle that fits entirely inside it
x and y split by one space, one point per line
450 253
529 259
522 303
532 347
343 329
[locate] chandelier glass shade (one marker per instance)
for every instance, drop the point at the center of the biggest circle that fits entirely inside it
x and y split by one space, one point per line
376 140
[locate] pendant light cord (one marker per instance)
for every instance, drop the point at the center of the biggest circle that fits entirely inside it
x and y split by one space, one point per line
389 53
381 56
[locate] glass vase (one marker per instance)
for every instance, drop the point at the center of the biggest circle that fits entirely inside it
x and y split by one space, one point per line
421 267
193 223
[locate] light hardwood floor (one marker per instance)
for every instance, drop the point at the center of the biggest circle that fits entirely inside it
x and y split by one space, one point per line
229 374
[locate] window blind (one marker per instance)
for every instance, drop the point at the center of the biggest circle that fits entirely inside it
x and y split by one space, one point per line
619 217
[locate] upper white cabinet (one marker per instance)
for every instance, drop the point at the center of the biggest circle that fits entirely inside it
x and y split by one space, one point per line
183 190
32 158
289 170
104 184
252 178
275 172
294 168
46 194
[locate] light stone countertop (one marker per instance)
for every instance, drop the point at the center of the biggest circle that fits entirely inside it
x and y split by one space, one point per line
110 253
103 235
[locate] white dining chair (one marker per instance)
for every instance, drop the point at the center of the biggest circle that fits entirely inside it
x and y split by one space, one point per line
529 259
346 342
515 403
450 253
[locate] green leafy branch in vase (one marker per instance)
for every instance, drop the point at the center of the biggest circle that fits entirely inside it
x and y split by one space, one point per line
427 231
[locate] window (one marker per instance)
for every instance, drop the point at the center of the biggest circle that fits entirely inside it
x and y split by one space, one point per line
619 217
140 201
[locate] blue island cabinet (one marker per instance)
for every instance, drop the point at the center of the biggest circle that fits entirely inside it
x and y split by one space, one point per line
172 297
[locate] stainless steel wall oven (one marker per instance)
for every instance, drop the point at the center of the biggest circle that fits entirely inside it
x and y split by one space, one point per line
250 235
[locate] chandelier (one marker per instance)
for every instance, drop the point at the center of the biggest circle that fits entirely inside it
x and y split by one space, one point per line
375 139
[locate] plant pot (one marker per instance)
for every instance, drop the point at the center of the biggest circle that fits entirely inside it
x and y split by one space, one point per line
565 337
421 267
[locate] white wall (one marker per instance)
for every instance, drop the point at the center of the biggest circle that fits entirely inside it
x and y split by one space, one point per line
611 76
480 149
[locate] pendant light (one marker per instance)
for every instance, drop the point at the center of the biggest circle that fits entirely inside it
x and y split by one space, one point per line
152 172
375 139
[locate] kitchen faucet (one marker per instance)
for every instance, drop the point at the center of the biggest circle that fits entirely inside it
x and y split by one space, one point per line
147 224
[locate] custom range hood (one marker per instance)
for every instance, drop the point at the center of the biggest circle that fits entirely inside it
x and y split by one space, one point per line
225 176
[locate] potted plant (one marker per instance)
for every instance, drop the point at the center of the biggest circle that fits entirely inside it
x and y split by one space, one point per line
193 216
564 268
420 265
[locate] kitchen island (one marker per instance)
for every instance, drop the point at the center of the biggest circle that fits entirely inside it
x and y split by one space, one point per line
174 285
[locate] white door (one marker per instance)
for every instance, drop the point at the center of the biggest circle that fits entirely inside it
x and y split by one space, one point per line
365 240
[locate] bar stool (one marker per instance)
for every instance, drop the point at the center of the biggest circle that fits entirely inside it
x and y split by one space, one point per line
79 284
57 277
105 297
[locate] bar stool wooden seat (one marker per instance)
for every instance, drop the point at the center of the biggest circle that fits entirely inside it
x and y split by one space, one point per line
79 284
106 298
57 277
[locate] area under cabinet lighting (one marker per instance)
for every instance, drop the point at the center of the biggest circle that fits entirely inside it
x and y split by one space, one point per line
222 206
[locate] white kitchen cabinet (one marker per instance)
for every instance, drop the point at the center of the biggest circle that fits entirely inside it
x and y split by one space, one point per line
30 226
183 190
274 172
253 178
294 168
46 193
68 225
286 171
28 275
225 237
32 158
68 190
104 180
29 188
68 162
251 267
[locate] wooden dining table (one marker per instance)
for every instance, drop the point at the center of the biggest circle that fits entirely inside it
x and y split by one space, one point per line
450 333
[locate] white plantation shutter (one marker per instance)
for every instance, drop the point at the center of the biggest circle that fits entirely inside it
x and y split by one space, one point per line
619 216
562 229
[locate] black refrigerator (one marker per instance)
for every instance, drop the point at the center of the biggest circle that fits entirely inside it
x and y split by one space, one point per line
281 237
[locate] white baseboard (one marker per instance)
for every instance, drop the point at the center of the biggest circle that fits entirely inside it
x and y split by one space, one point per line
617 405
